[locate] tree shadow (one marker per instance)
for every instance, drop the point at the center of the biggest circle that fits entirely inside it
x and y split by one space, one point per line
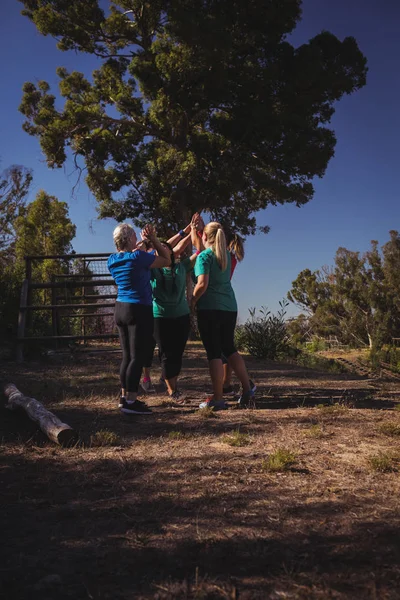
119 530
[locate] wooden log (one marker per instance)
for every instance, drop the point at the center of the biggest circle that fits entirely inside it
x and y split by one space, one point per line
49 423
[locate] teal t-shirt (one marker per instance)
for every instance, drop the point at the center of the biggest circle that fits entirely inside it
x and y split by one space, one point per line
168 303
219 294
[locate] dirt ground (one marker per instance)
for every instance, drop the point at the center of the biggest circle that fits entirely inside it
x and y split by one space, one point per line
172 510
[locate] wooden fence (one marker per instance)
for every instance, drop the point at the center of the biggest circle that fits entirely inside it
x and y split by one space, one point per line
93 276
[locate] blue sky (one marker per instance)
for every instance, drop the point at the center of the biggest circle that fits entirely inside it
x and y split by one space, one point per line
356 201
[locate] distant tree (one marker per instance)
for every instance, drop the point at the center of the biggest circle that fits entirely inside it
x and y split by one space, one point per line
194 105
357 300
14 187
44 227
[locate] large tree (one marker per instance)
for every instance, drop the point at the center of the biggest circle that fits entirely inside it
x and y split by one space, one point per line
195 104
357 299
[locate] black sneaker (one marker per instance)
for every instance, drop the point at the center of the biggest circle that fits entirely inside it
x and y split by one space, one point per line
228 391
135 408
246 400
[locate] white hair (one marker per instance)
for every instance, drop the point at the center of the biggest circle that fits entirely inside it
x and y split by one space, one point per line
122 234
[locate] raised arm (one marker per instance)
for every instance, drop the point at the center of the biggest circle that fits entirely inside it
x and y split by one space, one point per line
164 254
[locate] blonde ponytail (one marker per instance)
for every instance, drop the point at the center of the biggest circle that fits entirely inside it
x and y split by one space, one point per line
216 236
236 246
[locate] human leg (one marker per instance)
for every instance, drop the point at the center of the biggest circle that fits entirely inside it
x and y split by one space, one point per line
235 360
210 333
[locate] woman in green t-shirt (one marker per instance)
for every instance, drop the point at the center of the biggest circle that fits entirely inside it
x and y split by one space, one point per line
216 315
172 315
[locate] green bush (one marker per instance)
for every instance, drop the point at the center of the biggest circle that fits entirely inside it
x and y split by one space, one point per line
386 354
240 337
264 335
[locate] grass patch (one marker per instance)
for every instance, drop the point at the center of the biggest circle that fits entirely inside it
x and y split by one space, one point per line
167 404
176 435
280 460
315 431
391 429
397 406
236 439
330 409
105 437
383 463
206 413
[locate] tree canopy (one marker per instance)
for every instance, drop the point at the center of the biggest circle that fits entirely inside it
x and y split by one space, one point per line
194 105
357 300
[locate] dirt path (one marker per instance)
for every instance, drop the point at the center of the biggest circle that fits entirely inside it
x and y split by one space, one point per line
174 511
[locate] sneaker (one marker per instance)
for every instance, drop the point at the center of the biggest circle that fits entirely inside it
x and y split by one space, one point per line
246 400
147 386
214 404
228 391
135 408
177 397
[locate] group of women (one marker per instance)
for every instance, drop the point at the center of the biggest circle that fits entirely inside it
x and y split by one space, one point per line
152 307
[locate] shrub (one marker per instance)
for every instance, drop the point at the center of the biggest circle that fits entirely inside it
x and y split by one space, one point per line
264 335
240 337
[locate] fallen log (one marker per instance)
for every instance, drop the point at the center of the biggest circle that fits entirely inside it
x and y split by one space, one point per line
49 423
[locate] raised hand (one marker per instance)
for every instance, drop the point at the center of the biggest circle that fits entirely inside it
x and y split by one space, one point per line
149 232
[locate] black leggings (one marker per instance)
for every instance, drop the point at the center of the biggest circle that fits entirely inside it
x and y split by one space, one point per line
171 336
135 328
217 332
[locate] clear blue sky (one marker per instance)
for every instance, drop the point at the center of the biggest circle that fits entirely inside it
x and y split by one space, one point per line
356 201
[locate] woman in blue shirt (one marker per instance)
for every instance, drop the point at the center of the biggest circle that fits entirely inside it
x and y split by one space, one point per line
130 269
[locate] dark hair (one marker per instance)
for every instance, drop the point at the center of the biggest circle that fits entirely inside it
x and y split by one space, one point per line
172 267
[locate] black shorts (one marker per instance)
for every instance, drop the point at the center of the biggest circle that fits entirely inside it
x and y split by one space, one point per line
217 331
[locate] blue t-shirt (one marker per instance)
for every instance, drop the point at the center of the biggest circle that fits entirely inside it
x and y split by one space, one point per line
131 273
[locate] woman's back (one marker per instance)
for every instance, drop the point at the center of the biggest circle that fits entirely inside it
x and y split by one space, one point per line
219 294
131 273
169 290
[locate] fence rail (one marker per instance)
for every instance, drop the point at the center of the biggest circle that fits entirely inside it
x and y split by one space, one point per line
92 274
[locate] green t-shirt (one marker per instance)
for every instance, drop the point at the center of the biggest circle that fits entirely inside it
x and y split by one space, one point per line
219 294
168 303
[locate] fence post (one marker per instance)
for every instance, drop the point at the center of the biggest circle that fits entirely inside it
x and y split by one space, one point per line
22 320
54 313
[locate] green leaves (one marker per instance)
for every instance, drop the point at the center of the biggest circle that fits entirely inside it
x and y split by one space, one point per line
357 300
194 105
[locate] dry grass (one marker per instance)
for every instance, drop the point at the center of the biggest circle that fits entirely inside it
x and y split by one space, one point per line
391 429
105 437
279 460
184 507
236 439
384 462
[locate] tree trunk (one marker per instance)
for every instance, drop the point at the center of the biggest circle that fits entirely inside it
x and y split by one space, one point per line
50 424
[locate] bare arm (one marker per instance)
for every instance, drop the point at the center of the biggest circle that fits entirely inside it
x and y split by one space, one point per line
182 245
164 254
175 239
197 241
200 289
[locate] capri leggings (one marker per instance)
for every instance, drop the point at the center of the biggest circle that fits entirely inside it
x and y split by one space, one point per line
217 330
171 336
135 328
